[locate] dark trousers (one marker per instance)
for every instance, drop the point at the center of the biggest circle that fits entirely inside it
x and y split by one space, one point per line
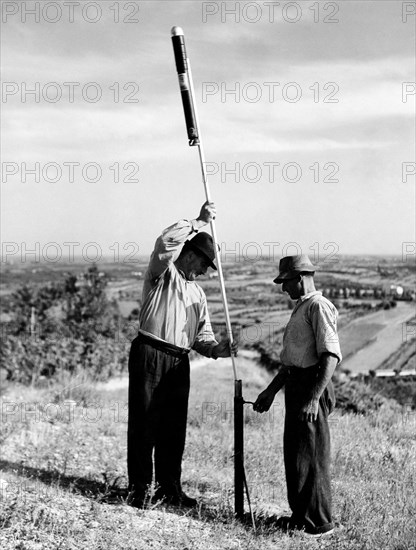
307 453
158 406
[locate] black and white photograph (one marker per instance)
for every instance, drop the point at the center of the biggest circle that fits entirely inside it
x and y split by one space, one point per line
208 275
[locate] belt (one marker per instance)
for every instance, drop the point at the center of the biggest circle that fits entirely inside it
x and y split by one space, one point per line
165 347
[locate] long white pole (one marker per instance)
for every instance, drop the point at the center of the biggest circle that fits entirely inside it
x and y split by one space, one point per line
213 229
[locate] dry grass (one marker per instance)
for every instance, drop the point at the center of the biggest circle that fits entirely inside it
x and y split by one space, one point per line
64 462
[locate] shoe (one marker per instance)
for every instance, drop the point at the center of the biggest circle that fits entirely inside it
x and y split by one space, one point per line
137 498
318 535
285 523
178 498
137 501
184 500
288 524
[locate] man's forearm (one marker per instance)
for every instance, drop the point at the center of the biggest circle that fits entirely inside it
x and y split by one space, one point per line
279 380
197 224
205 348
327 365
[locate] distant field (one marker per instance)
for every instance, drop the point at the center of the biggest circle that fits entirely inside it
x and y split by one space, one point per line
357 335
370 340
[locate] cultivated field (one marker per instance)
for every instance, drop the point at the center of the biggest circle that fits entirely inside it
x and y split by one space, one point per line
369 341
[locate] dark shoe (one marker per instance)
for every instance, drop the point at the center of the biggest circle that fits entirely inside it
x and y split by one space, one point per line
137 499
287 524
140 503
184 500
284 523
319 535
178 498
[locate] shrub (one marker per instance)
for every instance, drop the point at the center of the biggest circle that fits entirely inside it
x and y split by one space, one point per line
29 360
358 397
75 327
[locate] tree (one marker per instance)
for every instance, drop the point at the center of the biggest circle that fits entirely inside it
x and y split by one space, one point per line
87 310
29 299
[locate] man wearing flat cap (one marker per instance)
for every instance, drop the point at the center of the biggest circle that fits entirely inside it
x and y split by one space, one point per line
309 356
173 320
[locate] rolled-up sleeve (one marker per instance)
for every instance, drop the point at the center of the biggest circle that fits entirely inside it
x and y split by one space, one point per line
168 246
324 323
205 339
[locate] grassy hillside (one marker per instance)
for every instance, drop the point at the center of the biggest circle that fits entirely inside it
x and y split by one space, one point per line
63 463
64 472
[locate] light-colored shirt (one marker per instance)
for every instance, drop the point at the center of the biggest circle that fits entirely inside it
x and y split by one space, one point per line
174 309
310 332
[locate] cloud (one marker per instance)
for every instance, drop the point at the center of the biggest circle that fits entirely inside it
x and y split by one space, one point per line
368 54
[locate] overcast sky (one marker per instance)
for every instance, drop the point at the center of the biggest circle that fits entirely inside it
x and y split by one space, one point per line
320 131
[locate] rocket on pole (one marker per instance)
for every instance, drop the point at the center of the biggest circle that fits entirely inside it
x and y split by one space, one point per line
178 41
183 67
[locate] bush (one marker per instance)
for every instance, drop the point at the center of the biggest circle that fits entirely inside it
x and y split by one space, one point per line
358 397
403 391
29 360
87 310
63 327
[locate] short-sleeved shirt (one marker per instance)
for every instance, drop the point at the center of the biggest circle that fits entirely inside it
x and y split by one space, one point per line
310 332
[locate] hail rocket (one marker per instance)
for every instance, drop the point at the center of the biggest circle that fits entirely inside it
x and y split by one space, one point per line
185 84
